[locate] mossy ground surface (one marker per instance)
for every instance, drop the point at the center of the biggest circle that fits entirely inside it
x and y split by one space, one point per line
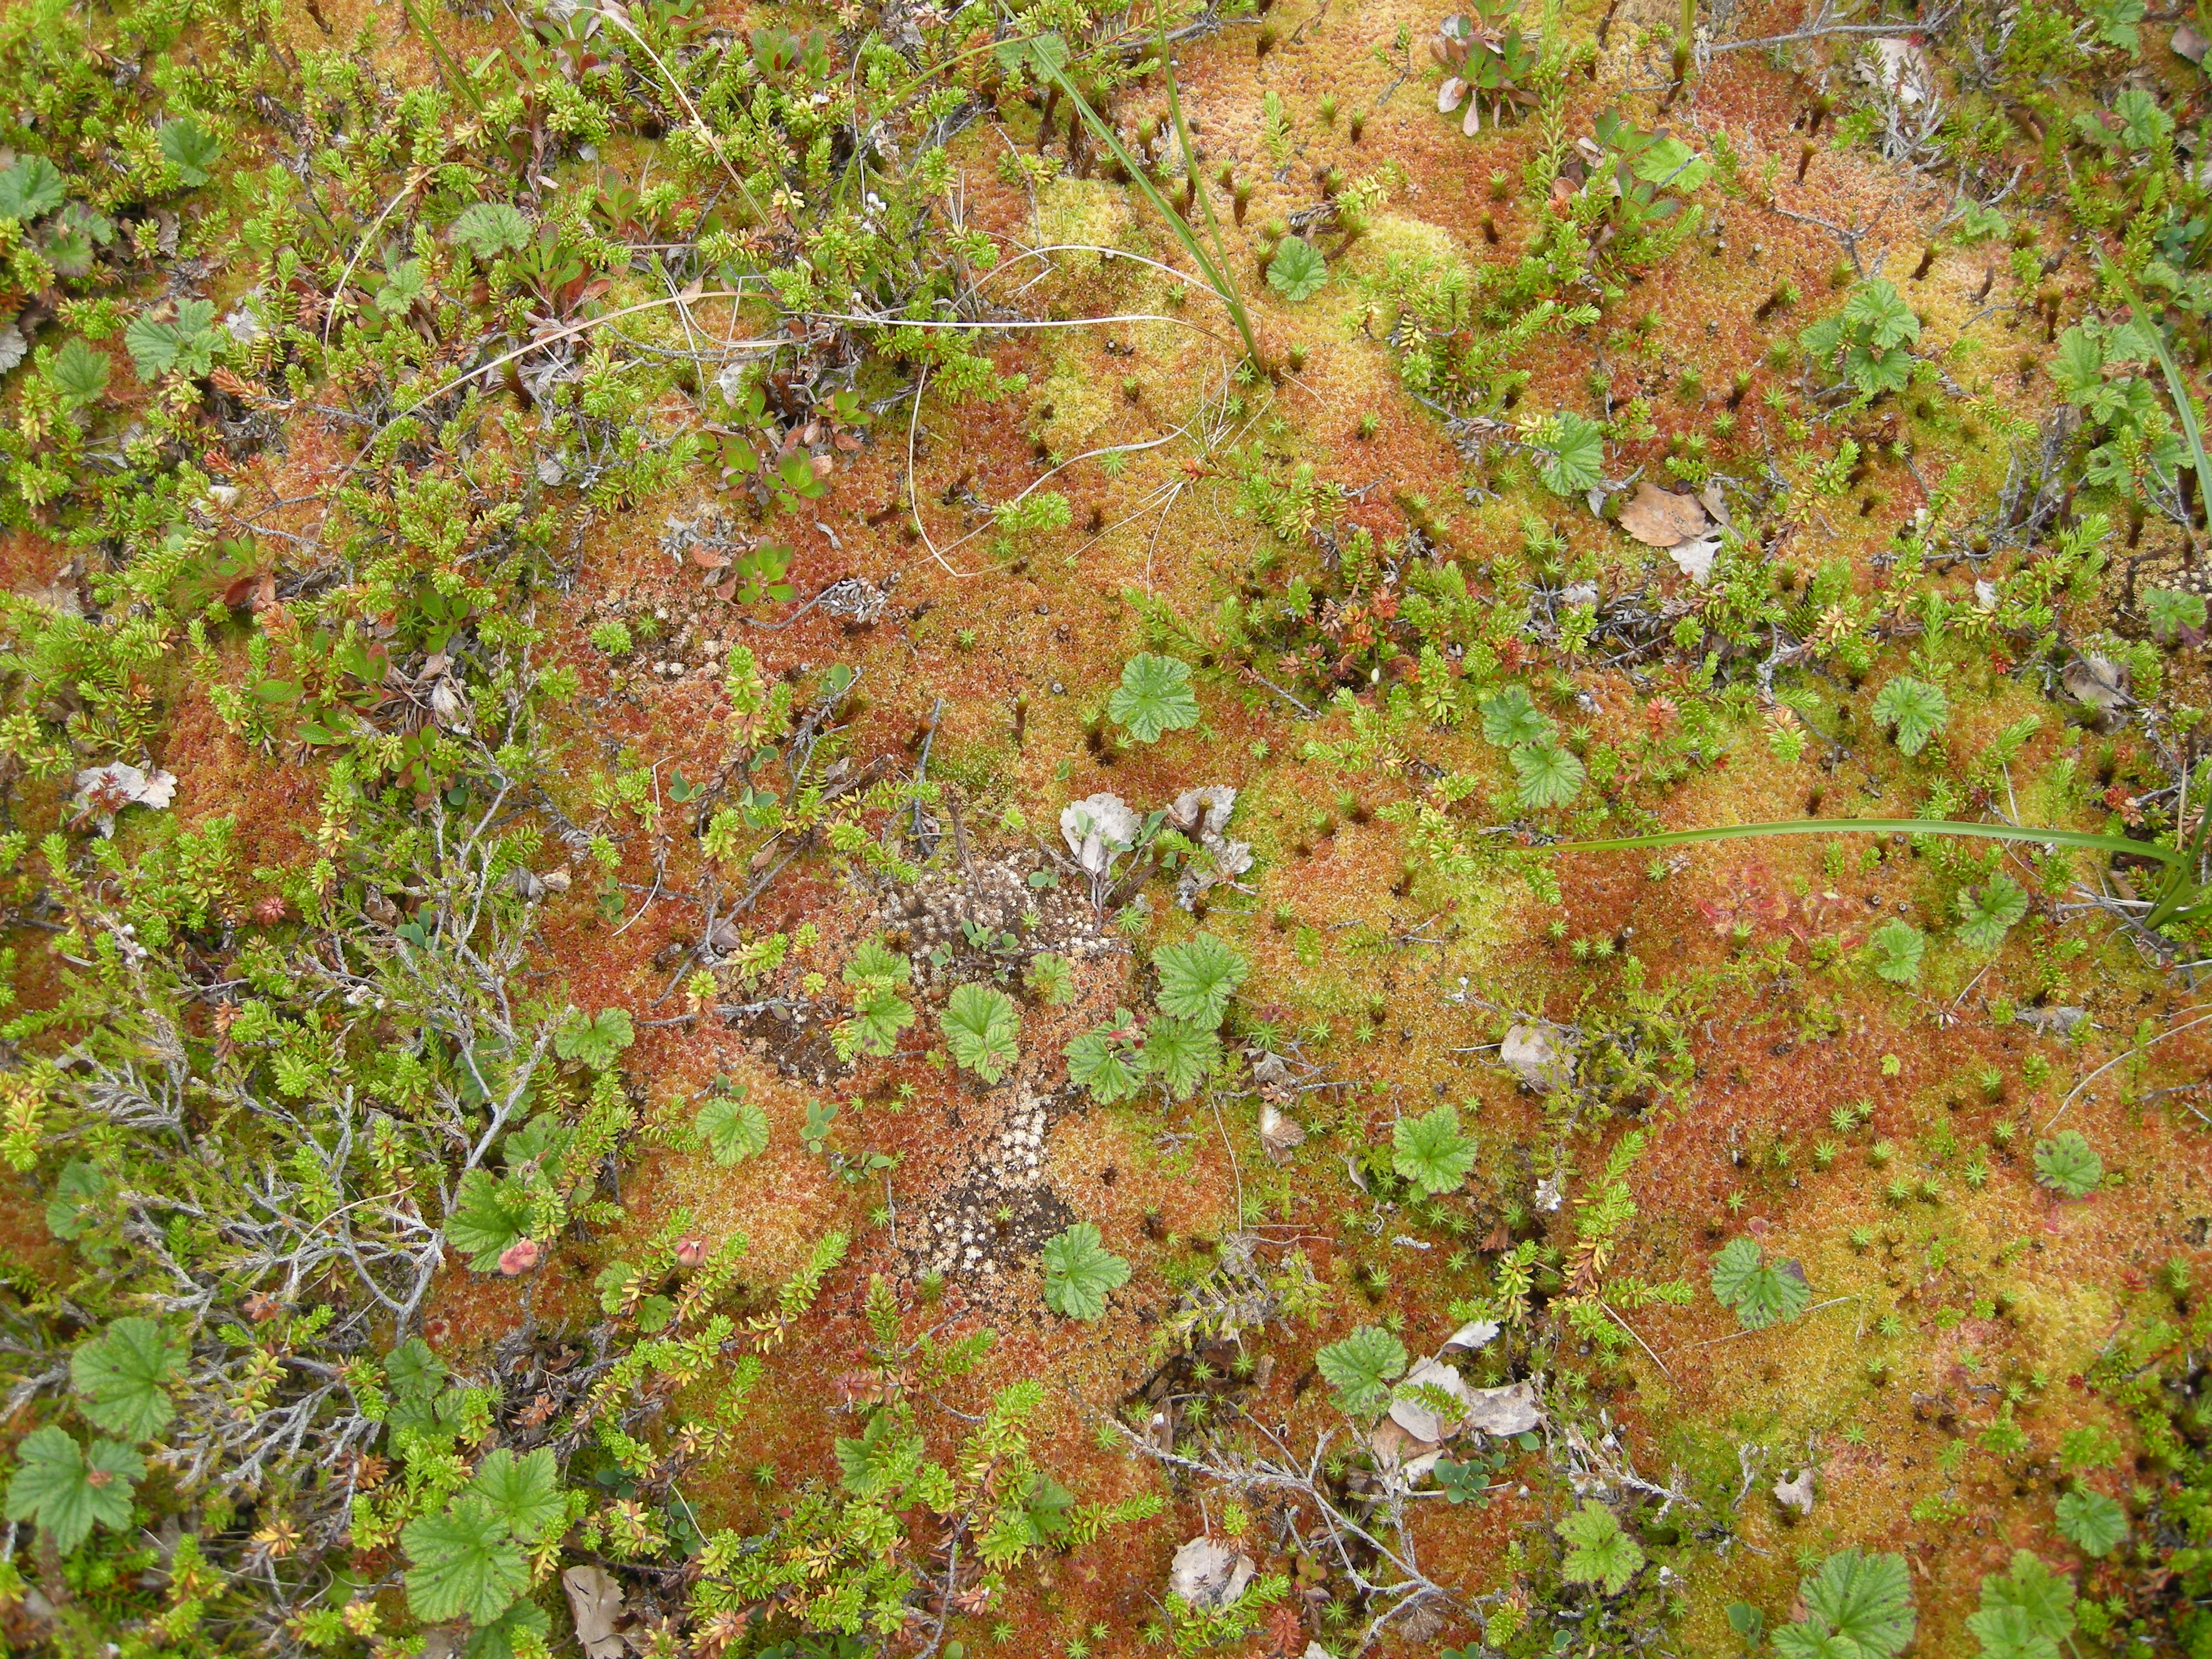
1967 1322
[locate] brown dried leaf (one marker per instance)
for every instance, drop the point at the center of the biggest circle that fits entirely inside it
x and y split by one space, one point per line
595 1602
1510 1410
1208 1574
1797 1494
1659 518
2096 681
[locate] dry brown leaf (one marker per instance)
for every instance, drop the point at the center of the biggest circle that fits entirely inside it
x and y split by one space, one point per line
1535 1054
1418 1418
595 1602
2096 681
1797 1494
1208 1574
1510 1410
1476 1332
1694 558
1659 518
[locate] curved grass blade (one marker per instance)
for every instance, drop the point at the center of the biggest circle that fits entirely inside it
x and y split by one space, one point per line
2168 855
1216 277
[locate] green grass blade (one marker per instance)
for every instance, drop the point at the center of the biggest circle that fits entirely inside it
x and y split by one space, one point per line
1189 150
456 79
1216 277
2175 387
1876 827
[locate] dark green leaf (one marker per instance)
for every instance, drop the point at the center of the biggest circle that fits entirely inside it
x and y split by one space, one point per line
77 1192
1510 719
1430 1151
1576 460
1915 709
1078 1272
68 1491
1154 697
981 1026
119 1378
1198 979
488 229
733 1127
1297 271
1099 1061
596 1042
1857 1607
414 1370
79 371
1361 1366
1549 775
1598 1552
1180 1054
1762 1292
33 187
2092 1522
1897 947
466 1565
489 1213
191 149
1986 914
525 1492
2067 1163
